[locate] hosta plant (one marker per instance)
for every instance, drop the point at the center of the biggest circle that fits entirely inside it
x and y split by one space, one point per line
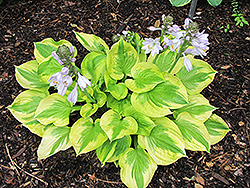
137 104
178 3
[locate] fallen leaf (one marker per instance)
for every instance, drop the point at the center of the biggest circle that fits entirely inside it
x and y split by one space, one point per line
227 168
219 177
157 23
9 181
237 157
209 164
200 180
92 177
114 16
238 172
17 44
241 123
196 185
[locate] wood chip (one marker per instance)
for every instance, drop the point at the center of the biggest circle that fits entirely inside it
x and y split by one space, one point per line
219 177
239 172
19 152
226 67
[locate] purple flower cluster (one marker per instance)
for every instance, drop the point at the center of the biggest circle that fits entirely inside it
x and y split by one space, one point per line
62 80
186 41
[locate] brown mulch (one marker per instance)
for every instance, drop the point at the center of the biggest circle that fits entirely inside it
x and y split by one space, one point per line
27 21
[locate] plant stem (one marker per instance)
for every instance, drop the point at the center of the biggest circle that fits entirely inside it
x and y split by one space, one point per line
192 9
89 97
76 108
135 141
101 79
182 49
176 60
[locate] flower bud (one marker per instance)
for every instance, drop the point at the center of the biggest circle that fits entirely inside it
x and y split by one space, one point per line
193 27
63 52
167 20
115 38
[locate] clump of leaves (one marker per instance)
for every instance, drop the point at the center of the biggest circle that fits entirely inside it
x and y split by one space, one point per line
225 28
179 3
238 16
137 110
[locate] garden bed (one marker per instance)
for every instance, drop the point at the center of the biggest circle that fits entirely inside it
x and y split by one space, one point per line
25 22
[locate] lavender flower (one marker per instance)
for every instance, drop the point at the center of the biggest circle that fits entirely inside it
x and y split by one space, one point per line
187 63
83 82
72 97
56 57
152 46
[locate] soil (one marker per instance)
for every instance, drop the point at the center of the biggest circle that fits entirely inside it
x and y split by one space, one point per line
27 21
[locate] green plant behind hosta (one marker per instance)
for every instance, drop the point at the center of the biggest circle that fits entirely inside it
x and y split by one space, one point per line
140 115
179 3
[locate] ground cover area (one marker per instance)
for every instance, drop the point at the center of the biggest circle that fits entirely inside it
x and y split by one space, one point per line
27 21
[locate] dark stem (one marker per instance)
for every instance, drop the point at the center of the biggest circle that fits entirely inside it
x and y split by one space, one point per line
192 9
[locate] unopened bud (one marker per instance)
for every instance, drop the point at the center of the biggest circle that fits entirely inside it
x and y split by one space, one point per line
167 20
193 27
63 52
115 38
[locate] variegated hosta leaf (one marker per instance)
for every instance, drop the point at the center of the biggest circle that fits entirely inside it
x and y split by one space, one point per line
100 97
86 136
179 3
27 76
198 78
118 105
217 128
36 127
145 77
44 48
122 145
91 42
54 109
54 139
47 68
143 56
214 2
116 127
93 66
120 60
198 108
105 151
164 60
194 132
118 91
166 95
25 104
88 109
145 124
165 144
137 168
124 107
